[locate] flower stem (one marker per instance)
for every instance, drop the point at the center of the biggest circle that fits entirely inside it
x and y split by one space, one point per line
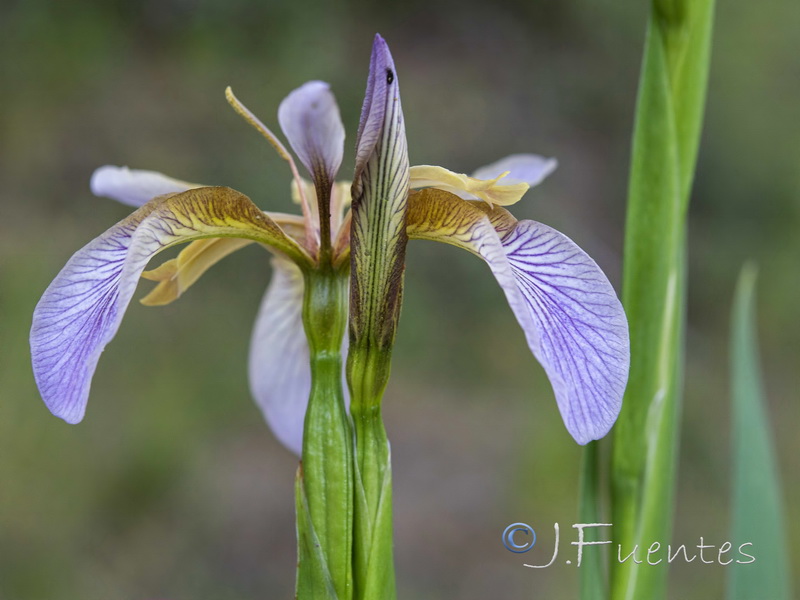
368 373
325 479
667 132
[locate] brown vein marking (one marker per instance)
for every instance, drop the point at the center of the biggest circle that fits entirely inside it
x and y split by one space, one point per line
378 237
435 214
223 211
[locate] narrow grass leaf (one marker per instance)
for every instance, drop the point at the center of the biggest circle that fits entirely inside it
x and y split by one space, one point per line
757 515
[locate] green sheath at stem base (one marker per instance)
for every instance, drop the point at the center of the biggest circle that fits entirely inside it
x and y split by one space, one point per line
325 480
368 374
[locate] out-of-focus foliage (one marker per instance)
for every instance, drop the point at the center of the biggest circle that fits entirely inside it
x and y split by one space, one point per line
757 506
173 487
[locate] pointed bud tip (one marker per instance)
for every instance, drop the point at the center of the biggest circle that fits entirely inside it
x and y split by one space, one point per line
381 88
381 55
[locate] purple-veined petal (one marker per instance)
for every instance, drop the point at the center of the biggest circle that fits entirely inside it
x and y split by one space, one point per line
379 203
280 373
310 120
573 322
81 310
134 187
581 333
522 168
382 88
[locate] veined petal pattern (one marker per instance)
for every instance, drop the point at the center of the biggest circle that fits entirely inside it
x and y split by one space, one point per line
82 308
572 319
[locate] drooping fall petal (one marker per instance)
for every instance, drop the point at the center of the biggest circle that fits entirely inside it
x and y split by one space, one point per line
582 329
573 322
280 374
82 308
379 197
134 187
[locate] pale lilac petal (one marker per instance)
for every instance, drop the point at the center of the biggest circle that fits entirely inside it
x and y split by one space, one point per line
280 372
524 168
133 186
81 310
379 204
77 316
310 120
382 94
574 323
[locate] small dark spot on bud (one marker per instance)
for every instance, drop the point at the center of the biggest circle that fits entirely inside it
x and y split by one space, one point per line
389 76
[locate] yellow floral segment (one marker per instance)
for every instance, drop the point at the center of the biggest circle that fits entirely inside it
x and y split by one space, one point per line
210 212
488 190
437 215
248 116
176 275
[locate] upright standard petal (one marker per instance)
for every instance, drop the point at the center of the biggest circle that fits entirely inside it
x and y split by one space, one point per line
573 322
82 308
521 168
380 199
280 374
134 186
310 120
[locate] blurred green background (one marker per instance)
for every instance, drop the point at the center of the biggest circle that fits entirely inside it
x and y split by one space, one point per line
173 487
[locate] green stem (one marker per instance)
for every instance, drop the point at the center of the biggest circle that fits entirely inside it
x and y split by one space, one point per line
592 580
325 492
368 374
666 136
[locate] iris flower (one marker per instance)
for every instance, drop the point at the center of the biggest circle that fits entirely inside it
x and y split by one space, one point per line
571 317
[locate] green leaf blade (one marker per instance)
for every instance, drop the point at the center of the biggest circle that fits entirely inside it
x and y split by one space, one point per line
669 113
644 453
757 514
